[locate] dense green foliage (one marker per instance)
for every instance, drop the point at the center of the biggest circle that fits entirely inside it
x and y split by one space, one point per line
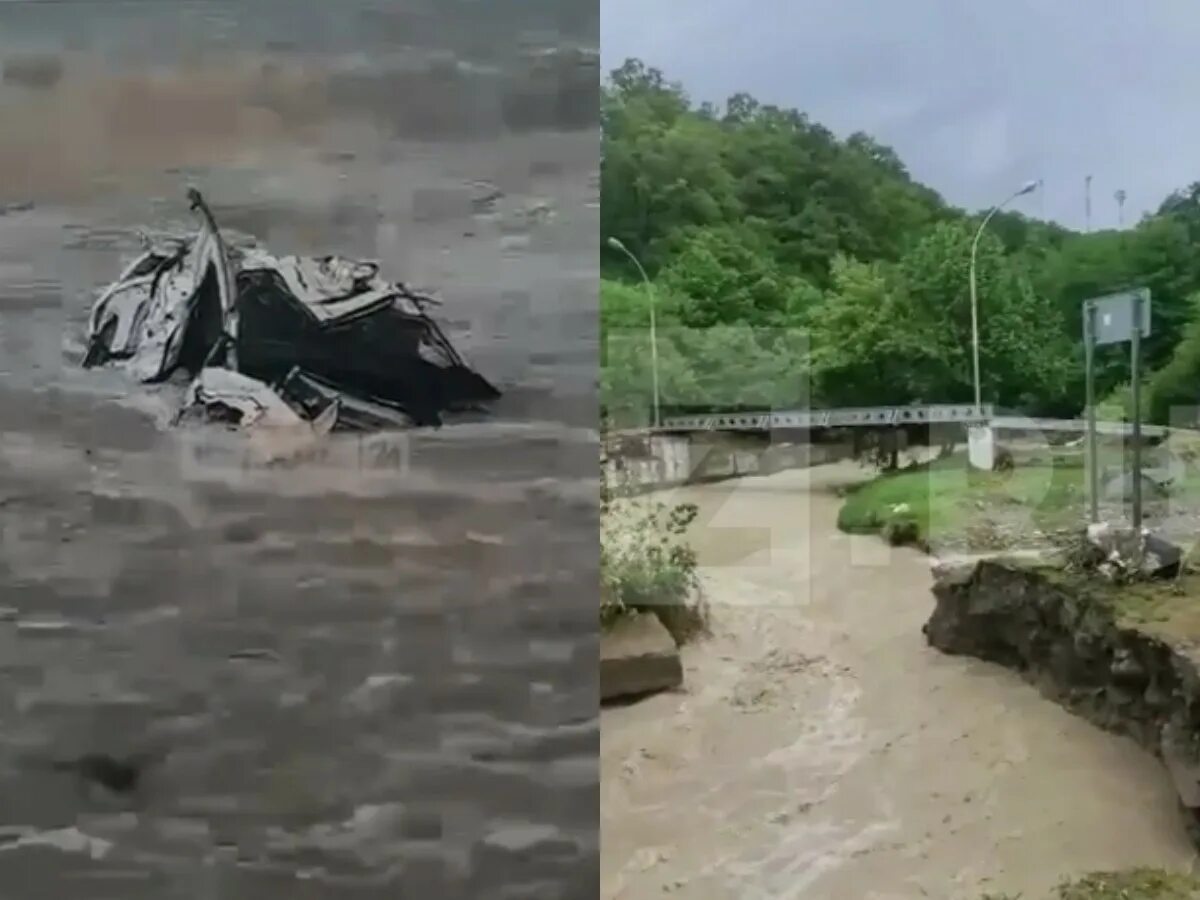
647 565
789 267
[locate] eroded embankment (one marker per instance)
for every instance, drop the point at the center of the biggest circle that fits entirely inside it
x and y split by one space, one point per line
1125 657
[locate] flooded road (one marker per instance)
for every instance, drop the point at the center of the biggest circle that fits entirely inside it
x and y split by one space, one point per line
822 750
373 678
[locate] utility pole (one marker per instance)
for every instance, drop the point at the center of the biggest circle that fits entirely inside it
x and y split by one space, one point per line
1120 195
1087 202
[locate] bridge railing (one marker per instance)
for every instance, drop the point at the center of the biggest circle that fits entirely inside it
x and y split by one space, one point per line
846 417
883 416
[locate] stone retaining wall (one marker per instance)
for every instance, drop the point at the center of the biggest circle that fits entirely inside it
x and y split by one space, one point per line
660 461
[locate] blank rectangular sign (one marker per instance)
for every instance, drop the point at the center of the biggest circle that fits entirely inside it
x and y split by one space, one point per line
1114 316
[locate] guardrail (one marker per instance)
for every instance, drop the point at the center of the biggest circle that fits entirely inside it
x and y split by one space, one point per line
1019 423
846 417
876 416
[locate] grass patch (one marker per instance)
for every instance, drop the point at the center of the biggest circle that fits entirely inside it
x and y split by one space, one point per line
1131 884
1168 608
1046 490
946 497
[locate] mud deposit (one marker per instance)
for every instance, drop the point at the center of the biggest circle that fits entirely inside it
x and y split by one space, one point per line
373 673
1124 657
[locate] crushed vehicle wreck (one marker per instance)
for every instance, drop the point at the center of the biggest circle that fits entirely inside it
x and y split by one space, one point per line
324 338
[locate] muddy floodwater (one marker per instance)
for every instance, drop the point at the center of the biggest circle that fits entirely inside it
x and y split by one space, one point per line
822 750
372 673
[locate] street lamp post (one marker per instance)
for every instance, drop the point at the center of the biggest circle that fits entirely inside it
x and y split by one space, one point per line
616 244
1027 188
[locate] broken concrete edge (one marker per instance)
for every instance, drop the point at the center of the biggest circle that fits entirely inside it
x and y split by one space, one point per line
1121 552
638 656
1076 637
954 568
1115 552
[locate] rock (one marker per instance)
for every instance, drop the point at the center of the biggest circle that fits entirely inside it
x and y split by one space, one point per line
953 570
1126 551
638 656
1162 557
1120 488
901 532
1004 461
971 612
1126 669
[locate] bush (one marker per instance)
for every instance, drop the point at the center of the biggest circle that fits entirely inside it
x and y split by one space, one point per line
902 530
646 565
1134 884
1131 884
1118 405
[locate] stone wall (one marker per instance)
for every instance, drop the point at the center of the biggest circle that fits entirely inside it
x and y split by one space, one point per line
650 462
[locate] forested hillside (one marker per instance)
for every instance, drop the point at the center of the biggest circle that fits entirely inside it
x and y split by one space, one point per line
793 268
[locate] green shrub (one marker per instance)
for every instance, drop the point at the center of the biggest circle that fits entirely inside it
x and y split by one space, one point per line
901 530
646 564
1130 884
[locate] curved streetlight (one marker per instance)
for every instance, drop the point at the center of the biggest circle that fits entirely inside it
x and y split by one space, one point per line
616 244
1028 188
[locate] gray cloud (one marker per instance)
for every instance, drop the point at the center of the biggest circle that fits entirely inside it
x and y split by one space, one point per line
976 98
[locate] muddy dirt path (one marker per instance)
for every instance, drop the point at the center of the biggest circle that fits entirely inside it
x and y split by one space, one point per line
822 750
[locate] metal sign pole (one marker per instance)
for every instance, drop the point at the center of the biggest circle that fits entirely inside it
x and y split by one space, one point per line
1114 319
1089 350
1136 379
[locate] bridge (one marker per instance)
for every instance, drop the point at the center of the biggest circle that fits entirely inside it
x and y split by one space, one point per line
687 448
892 417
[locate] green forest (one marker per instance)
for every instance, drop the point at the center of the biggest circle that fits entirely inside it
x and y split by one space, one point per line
789 267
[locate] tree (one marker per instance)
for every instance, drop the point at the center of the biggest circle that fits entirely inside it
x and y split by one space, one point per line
727 275
627 378
782 255
1173 392
860 353
1025 360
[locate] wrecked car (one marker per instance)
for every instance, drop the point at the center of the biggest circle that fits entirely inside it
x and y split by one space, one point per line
263 338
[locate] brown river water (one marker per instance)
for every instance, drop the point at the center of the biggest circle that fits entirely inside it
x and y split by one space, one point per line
373 676
821 750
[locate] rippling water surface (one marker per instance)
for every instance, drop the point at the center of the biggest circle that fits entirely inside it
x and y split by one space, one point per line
373 676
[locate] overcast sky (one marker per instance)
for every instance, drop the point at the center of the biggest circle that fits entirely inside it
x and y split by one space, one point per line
975 97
